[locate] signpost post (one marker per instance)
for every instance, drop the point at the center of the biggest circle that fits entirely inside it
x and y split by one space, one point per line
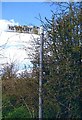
41 71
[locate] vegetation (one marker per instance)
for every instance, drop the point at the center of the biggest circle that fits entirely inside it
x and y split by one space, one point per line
20 95
62 63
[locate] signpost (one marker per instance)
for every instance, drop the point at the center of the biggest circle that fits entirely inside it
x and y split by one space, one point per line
41 71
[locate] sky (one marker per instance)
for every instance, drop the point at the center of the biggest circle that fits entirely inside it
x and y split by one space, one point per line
26 13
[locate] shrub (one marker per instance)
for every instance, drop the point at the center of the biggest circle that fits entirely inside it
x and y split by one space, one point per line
20 112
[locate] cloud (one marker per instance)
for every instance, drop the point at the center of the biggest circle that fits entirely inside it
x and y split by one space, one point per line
5 23
13 22
16 47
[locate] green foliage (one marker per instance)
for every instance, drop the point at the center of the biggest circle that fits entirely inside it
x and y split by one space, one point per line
17 92
6 106
50 107
61 64
20 112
